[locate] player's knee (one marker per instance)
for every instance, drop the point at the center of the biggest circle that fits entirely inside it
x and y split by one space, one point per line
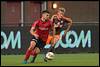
32 45
37 50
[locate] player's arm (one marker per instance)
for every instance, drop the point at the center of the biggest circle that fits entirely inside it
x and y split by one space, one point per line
69 24
53 17
33 28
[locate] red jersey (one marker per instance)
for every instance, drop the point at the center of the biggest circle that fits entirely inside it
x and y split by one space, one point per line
42 29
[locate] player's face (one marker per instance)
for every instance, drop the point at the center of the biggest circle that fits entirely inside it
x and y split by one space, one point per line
46 16
60 13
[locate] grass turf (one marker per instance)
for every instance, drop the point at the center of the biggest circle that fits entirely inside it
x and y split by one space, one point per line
81 59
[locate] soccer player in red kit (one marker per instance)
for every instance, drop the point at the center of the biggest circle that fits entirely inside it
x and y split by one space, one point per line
40 31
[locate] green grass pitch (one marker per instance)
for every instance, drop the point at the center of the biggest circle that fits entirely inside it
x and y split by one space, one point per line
79 59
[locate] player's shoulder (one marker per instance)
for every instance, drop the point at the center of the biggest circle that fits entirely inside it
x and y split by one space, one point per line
37 21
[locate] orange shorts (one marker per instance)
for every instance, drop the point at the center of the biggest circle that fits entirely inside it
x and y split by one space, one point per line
50 39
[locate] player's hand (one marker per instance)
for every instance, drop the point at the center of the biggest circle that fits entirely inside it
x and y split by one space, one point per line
62 16
55 16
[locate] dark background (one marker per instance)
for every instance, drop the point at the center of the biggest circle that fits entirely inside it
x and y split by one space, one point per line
25 39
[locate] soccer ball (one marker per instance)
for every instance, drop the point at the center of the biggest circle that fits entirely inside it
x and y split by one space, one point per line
50 55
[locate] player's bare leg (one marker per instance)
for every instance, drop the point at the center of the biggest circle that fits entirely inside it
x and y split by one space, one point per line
34 53
53 41
56 38
28 52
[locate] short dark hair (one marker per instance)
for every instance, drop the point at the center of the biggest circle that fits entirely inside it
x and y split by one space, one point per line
45 11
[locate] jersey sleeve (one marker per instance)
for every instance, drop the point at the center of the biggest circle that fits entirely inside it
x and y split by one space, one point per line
35 24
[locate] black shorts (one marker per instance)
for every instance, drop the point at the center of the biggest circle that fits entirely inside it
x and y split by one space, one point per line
39 43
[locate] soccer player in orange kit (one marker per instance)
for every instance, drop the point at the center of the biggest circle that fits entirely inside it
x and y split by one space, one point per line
60 22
